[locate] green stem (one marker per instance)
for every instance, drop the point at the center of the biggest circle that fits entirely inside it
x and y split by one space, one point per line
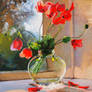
58 32
38 66
81 35
40 29
28 67
49 28
35 68
58 42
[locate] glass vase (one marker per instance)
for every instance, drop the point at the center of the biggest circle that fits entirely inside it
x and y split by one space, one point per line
52 68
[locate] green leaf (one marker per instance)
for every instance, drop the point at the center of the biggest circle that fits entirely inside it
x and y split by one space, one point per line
34 45
66 39
47 45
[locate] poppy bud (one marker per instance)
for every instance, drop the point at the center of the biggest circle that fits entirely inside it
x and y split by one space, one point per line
86 26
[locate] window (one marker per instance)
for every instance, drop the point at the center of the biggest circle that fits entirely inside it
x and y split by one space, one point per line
24 16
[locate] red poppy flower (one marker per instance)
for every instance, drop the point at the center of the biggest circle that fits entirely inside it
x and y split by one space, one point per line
60 7
41 7
65 15
34 89
52 9
76 43
26 52
16 45
58 20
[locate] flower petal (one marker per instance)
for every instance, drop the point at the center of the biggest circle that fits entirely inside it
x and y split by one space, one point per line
27 53
58 20
16 45
52 9
72 7
41 7
60 7
76 43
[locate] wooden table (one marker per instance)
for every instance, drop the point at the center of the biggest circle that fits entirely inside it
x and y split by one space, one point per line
23 85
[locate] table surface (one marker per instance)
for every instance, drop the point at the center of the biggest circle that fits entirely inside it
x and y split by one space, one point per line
23 85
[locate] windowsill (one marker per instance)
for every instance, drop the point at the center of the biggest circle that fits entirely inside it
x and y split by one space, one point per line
21 75
23 85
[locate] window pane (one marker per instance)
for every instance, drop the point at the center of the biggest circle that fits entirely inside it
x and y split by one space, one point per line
17 15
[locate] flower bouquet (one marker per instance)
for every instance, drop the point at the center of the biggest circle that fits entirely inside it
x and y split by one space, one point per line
39 52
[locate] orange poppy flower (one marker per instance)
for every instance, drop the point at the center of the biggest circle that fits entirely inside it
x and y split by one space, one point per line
26 52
